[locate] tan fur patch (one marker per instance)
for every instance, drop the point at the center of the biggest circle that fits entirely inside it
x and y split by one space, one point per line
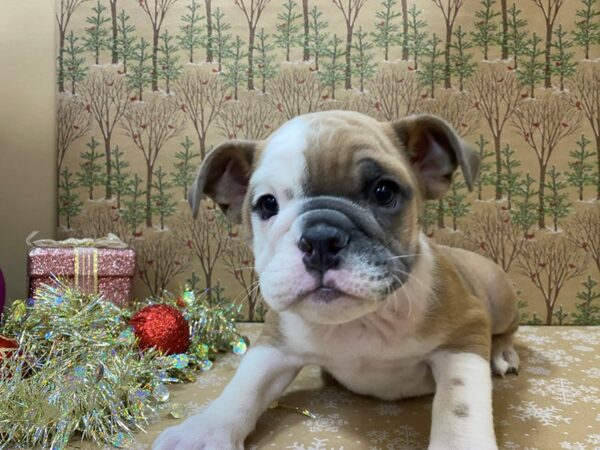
455 315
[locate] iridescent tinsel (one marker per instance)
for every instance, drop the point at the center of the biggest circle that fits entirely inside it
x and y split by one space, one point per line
78 371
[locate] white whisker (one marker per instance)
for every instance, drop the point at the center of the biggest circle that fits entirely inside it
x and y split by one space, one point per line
408 297
404 256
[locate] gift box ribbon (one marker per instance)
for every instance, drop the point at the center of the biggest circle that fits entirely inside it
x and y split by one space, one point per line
110 241
86 269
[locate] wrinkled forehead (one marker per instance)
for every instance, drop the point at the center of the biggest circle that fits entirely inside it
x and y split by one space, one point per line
326 154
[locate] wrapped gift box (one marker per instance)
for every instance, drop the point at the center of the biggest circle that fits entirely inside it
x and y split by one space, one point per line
105 266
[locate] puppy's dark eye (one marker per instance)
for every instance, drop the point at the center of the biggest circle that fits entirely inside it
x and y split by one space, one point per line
385 193
267 206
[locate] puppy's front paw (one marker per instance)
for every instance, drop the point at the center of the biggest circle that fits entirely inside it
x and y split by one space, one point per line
200 432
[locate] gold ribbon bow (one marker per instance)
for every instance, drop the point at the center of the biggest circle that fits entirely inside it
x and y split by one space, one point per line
110 241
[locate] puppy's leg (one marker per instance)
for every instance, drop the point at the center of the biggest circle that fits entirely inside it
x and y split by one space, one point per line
462 406
263 375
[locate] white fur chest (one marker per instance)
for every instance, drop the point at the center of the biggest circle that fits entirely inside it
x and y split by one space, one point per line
376 355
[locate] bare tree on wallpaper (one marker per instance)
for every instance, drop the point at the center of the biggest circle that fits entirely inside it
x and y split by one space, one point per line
106 94
72 122
150 125
249 118
160 257
543 123
207 237
201 95
252 10
295 90
239 262
394 92
450 9
495 91
585 89
306 28
584 232
209 30
350 11
404 30
504 32
549 9
550 263
99 219
456 109
496 236
156 11
66 8
115 33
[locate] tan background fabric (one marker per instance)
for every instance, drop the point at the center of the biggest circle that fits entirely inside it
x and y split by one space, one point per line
27 123
554 403
171 247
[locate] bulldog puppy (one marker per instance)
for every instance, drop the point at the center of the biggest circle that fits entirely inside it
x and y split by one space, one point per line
332 202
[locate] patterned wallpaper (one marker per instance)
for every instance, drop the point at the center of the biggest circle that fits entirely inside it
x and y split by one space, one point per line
147 87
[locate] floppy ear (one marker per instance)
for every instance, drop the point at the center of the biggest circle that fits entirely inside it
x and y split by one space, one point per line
223 176
435 152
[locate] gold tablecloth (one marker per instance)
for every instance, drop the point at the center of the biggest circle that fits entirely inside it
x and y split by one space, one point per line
554 403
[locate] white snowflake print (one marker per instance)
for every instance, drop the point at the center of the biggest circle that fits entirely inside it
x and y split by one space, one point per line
316 444
402 438
330 398
564 391
583 348
209 379
513 446
555 357
591 443
531 337
589 335
377 436
537 370
192 407
547 416
499 384
229 360
388 409
330 422
594 372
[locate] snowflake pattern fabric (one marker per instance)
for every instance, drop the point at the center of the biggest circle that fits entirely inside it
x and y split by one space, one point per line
554 403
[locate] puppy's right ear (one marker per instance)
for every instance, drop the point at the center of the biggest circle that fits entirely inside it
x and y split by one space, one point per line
223 176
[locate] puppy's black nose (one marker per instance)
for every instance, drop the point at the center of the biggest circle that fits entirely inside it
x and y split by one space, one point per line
321 244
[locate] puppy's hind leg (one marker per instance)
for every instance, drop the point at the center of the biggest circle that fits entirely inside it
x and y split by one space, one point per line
504 357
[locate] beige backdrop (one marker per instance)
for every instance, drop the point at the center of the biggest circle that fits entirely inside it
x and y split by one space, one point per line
27 123
203 102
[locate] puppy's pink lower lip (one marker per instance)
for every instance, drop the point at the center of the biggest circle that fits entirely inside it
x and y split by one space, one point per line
326 293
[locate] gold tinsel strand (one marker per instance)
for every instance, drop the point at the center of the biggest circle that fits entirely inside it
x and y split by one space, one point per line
78 373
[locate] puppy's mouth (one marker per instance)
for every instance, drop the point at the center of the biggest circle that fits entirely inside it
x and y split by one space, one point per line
323 294
327 293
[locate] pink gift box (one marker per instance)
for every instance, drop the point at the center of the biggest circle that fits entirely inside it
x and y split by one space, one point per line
106 271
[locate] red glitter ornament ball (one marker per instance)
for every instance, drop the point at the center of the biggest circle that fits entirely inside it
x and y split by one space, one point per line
7 347
163 327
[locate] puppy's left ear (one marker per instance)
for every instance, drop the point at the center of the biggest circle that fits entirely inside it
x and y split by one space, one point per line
435 151
223 176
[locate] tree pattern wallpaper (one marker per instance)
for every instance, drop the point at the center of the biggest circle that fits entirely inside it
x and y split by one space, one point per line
147 87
